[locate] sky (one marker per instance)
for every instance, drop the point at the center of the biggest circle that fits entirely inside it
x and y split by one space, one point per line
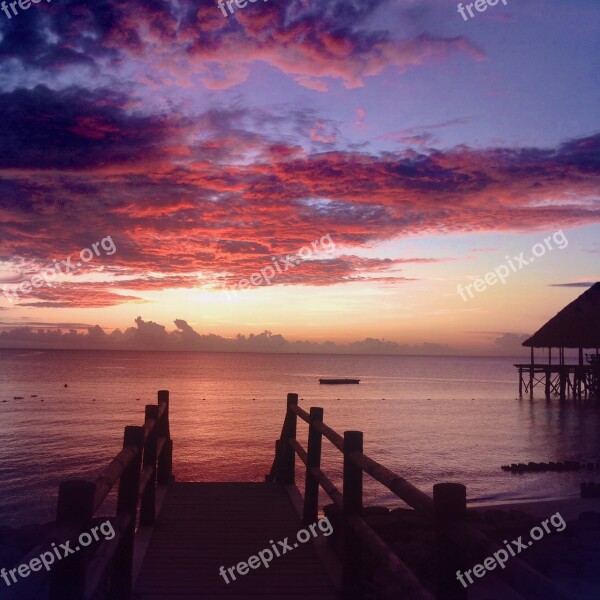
379 157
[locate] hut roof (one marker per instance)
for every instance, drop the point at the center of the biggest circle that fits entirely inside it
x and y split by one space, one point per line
577 325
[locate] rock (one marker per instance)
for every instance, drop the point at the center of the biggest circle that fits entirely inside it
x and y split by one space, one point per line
375 510
473 516
589 520
487 529
410 518
418 556
493 516
384 522
29 536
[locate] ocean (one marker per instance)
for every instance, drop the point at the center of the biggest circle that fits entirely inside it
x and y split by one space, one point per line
429 419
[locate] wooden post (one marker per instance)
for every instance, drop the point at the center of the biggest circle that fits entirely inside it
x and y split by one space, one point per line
129 484
449 505
313 459
563 382
520 382
270 476
595 378
163 396
287 466
353 506
148 503
164 473
75 506
548 375
277 462
580 374
531 375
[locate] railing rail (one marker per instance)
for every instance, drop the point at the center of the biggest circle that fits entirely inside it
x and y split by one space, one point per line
145 460
446 509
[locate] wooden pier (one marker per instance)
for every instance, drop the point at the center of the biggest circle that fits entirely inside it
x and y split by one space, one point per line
171 538
203 526
576 327
562 381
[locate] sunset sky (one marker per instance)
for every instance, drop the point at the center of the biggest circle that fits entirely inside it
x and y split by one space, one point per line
427 147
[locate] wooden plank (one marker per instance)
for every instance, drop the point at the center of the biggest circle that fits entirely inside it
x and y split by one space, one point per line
203 526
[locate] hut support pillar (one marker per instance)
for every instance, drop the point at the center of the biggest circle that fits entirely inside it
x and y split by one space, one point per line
563 383
531 375
520 382
579 375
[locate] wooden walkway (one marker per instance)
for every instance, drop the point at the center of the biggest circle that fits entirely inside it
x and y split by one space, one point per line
200 528
203 526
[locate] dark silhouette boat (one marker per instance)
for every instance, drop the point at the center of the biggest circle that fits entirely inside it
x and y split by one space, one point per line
338 381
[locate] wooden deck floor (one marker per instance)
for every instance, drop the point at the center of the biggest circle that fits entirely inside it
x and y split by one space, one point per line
202 526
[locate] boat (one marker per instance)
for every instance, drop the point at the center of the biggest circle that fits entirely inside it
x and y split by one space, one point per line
337 381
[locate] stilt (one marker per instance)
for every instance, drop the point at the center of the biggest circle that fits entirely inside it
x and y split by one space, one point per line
548 375
579 375
531 376
520 382
563 383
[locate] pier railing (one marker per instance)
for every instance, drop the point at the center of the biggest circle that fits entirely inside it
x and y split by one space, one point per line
144 462
454 537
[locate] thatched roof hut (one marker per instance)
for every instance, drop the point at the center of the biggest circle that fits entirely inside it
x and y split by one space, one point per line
577 325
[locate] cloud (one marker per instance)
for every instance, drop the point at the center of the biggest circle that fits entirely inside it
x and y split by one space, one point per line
76 129
421 135
55 325
361 114
311 41
147 335
321 133
511 343
195 216
209 199
342 269
576 284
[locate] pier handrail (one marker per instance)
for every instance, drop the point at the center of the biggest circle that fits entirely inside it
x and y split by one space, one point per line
144 462
446 509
